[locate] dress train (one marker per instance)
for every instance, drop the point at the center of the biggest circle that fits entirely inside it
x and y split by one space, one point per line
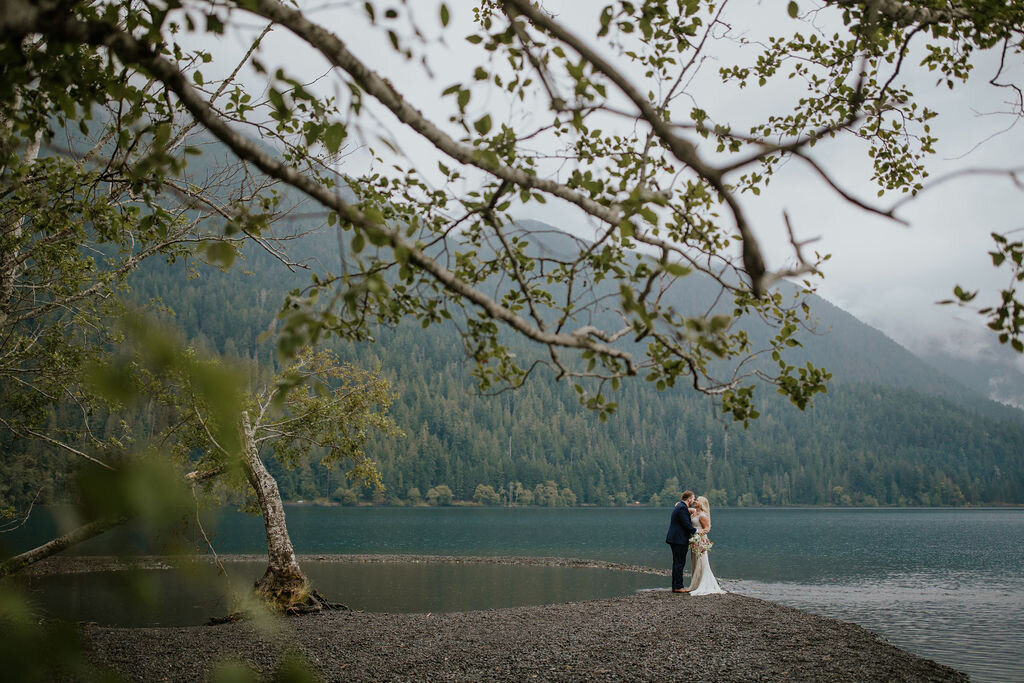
703 581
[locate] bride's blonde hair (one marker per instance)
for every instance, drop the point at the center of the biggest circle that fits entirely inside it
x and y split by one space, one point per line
704 506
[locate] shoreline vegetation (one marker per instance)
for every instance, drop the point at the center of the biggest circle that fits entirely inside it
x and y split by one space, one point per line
665 505
647 636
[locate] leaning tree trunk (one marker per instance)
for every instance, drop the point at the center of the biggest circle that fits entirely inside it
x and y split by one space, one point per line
283 586
94 528
82 533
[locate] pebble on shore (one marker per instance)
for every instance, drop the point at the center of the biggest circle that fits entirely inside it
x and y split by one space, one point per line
652 635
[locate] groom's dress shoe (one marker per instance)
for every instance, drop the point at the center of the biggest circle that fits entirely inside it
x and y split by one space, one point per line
680 590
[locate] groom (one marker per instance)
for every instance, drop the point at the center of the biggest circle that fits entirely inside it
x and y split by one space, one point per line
680 528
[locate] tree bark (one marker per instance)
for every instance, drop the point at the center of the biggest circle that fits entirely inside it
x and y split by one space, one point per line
283 585
82 533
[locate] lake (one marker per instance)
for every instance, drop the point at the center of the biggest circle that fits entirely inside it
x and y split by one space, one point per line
947 584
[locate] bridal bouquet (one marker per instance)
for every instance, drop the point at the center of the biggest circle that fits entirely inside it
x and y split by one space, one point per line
700 543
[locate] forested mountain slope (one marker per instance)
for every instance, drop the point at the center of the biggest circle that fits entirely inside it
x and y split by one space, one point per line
891 430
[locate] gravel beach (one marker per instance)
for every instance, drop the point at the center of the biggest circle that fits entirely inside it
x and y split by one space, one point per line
652 635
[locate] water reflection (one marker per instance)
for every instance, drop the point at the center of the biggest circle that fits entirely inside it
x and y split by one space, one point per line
941 621
149 597
175 598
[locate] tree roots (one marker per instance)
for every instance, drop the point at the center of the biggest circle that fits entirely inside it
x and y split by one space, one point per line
292 596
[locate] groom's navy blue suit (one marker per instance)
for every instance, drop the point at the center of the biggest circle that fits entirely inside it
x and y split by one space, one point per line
680 528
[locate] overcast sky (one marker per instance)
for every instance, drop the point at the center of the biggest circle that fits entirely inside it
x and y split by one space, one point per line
887 274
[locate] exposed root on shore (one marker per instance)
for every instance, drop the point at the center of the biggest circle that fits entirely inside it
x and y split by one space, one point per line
312 602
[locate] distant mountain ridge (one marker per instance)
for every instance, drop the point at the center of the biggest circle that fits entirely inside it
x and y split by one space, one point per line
853 351
857 352
991 371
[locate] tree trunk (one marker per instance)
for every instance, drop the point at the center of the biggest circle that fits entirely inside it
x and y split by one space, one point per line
283 586
82 533
283 583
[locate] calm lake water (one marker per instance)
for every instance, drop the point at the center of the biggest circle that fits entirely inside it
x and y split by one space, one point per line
947 584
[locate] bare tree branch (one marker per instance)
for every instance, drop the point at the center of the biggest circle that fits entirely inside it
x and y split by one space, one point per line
14 524
134 51
682 149
53 442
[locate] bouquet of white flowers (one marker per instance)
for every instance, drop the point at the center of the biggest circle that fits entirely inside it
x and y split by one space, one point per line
700 544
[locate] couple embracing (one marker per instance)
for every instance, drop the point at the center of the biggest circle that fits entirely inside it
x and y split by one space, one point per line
687 534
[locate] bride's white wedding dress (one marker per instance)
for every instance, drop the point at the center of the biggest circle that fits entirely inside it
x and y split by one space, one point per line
703 581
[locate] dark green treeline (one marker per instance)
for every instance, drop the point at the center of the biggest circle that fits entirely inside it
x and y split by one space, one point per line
860 444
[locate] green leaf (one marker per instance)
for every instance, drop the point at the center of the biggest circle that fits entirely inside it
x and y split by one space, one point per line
333 137
483 125
487 157
677 269
220 253
793 9
113 381
214 24
445 15
277 99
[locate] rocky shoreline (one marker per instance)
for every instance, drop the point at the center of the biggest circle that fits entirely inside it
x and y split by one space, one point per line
652 635
73 564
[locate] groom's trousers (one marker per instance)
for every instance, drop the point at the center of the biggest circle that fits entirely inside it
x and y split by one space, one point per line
679 553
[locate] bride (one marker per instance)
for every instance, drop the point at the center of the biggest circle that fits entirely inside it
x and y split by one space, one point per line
703 581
